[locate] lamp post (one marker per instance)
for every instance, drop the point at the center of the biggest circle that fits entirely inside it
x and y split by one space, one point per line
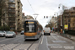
62 19
56 14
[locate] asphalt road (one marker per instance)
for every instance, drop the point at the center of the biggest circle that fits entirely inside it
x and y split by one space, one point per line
56 42
46 42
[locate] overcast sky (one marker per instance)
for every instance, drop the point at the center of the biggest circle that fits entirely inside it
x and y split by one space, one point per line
45 8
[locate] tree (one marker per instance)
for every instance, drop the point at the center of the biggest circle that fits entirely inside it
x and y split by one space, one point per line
49 25
2 6
4 28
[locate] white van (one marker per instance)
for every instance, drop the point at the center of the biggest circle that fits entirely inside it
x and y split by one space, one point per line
47 31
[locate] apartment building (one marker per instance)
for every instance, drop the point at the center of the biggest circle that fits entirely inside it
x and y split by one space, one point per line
69 18
14 15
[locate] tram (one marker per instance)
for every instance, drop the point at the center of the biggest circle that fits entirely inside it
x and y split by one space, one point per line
32 29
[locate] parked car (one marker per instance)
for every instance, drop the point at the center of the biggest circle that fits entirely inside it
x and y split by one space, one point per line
10 34
22 32
47 31
2 33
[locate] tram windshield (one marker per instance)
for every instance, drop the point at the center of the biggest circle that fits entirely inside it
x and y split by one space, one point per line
30 27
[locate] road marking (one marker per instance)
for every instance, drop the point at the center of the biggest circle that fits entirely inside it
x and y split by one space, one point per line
9 46
19 49
22 47
47 43
69 47
42 40
55 38
54 44
60 41
34 47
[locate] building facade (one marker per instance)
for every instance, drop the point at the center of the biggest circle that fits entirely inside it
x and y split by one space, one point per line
13 17
69 18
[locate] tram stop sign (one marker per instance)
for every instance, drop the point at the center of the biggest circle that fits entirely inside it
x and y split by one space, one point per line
66 27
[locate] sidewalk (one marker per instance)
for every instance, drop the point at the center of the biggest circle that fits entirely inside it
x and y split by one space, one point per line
71 37
67 36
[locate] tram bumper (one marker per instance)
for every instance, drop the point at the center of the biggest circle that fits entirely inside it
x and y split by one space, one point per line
31 37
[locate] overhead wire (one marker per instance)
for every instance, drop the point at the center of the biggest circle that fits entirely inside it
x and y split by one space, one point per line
31 6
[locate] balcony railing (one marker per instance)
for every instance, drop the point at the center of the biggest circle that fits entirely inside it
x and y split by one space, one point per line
66 14
11 21
11 6
72 14
11 1
12 25
18 0
11 11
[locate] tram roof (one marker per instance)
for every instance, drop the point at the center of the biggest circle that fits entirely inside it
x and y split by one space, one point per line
30 20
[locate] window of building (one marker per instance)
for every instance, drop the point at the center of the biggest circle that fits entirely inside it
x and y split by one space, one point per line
68 24
73 24
11 15
12 5
74 20
73 8
68 20
18 19
9 9
18 15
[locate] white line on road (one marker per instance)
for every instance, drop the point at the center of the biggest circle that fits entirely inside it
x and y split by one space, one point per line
42 40
47 43
55 38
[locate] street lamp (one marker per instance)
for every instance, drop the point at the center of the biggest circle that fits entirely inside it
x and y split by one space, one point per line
62 25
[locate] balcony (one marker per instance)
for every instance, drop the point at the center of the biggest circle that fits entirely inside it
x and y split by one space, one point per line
11 21
11 6
72 14
66 15
11 1
11 15
12 25
18 0
11 11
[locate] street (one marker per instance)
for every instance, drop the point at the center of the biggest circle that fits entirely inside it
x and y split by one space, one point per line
46 42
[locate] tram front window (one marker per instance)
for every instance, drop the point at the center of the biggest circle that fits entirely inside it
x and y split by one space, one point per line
30 28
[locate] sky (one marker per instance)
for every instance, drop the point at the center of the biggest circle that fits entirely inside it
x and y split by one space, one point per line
45 8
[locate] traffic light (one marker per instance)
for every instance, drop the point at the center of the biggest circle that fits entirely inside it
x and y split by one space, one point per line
46 16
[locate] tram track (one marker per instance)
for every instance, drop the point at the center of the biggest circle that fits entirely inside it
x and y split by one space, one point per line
20 44
31 45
